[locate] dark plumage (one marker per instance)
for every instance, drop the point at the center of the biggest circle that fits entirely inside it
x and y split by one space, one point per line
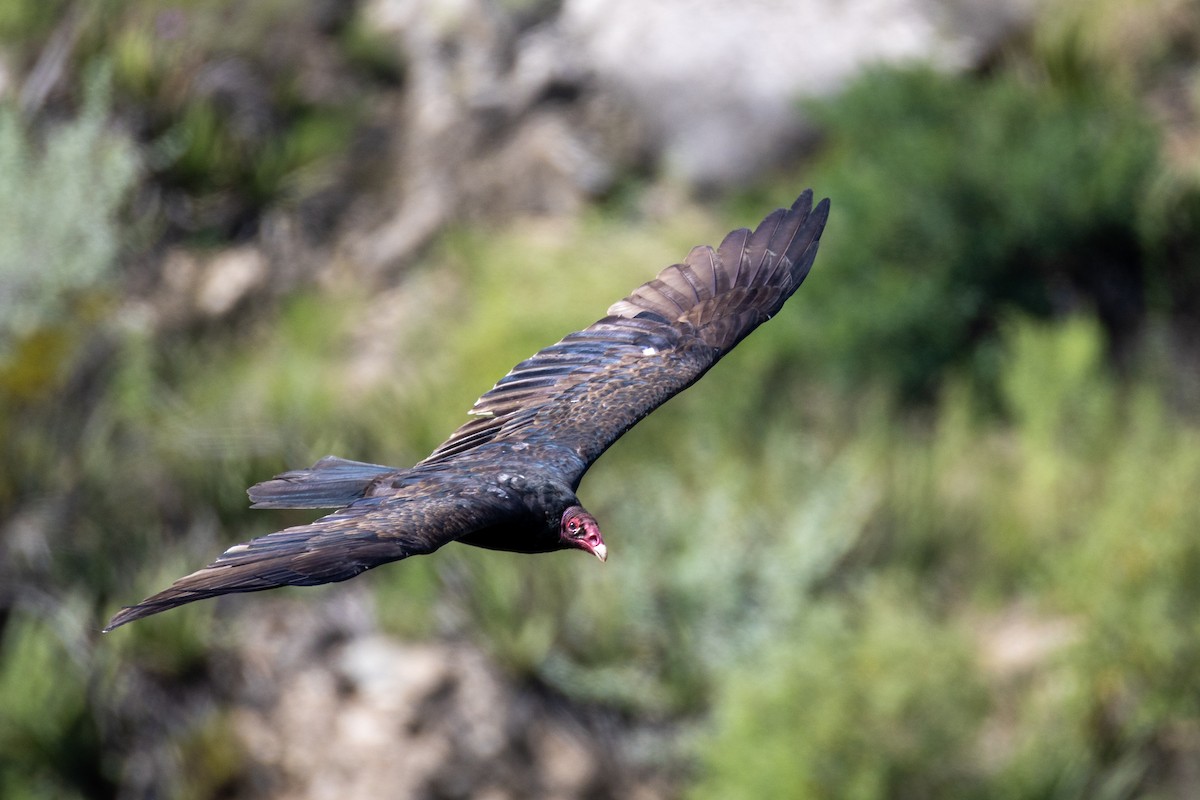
506 479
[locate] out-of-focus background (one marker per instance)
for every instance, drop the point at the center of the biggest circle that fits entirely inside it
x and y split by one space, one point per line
933 532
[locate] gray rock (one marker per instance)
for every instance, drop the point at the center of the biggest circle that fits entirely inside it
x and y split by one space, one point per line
327 707
515 108
719 83
497 119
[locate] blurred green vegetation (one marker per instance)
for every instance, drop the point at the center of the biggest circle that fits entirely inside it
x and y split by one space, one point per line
1076 511
963 201
50 261
890 708
231 126
930 533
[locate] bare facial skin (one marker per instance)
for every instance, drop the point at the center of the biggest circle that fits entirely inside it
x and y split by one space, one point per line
580 529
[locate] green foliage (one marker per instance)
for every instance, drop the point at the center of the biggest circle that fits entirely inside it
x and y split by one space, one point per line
47 734
375 54
961 200
231 126
1098 494
24 19
58 212
212 759
872 701
1077 511
59 239
214 159
1129 43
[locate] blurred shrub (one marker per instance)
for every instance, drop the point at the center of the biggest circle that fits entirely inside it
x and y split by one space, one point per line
1133 43
249 106
1091 504
1078 510
22 19
1150 49
856 702
1132 572
58 212
48 738
59 239
959 200
241 107
233 174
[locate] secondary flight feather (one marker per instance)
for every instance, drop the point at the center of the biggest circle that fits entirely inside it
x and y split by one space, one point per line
506 479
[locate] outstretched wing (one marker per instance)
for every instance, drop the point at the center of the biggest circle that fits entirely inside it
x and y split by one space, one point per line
587 390
373 531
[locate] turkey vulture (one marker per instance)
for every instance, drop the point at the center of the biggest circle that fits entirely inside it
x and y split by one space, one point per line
506 479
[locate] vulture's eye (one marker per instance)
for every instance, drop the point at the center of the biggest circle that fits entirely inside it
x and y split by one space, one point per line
573 526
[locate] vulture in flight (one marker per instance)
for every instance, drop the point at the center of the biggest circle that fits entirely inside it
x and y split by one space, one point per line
506 479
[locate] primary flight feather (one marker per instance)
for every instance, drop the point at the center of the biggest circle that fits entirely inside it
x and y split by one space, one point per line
506 479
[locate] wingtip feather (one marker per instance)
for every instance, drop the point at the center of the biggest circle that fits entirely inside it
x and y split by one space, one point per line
135 612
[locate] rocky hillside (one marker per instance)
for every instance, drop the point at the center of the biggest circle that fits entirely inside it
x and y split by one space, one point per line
237 236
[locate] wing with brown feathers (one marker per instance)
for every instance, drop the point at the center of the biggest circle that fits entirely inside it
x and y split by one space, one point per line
558 410
426 513
587 390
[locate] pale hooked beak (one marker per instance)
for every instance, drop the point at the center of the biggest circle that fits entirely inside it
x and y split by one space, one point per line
579 529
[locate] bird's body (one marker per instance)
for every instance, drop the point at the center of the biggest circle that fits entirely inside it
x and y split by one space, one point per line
506 479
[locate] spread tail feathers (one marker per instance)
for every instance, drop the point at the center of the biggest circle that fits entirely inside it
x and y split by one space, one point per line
332 482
